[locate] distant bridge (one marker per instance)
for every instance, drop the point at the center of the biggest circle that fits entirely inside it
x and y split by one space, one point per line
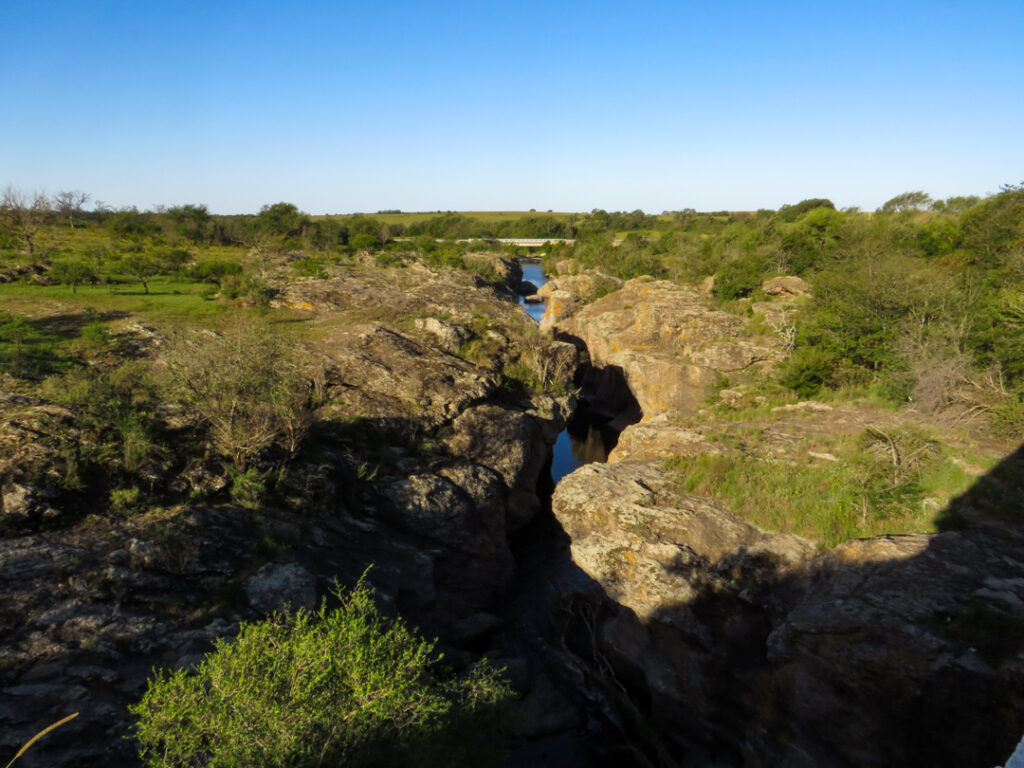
525 242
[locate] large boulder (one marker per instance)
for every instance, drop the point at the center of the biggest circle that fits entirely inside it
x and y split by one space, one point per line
280 587
785 286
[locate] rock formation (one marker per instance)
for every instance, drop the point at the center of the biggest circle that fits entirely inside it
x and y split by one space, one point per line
750 645
666 344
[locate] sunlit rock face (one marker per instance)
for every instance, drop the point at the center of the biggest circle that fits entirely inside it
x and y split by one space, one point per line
670 346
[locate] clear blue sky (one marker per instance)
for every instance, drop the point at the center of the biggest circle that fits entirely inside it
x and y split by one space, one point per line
361 106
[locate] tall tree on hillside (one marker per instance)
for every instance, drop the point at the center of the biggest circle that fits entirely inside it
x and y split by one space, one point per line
69 204
23 213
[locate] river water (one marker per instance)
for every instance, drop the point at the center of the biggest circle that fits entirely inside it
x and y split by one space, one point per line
587 437
534 273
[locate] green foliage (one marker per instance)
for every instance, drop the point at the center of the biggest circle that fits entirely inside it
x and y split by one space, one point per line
114 405
192 222
384 259
73 272
248 487
142 267
365 241
738 279
876 485
16 330
124 500
96 337
794 212
282 220
309 267
808 370
340 687
907 201
32 349
1008 418
216 270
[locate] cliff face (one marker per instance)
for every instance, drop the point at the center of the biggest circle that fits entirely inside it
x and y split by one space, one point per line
668 346
892 651
760 649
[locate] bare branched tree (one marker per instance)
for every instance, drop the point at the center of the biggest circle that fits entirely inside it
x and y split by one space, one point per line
23 213
784 328
248 386
69 204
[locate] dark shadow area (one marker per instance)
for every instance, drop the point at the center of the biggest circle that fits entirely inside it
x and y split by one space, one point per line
605 390
893 651
32 348
69 325
901 651
588 437
996 496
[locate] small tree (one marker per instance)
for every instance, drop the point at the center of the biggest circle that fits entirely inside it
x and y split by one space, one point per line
143 268
247 385
24 213
16 330
342 687
69 204
907 201
216 270
73 272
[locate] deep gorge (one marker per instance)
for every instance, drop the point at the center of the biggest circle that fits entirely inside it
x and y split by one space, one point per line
639 624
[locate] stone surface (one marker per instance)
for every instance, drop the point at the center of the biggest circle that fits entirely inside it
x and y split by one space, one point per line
281 587
890 651
89 607
785 286
560 306
668 345
450 336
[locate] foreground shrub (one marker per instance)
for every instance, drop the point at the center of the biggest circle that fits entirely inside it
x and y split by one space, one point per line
342 687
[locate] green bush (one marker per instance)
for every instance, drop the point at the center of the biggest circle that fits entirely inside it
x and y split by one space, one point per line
807 371
1008 418
738 279
365 241
342 687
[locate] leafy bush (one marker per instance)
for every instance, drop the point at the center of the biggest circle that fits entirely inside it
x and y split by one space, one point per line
342 687
365 241
807 371
738 279
216 270
1008 418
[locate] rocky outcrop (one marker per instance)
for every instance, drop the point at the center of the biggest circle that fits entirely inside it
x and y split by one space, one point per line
750 645
586 286
419 463
567 293
660 438
669 346
785 286
509 271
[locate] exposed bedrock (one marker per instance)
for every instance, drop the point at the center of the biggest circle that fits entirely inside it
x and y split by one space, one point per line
420 464
668 345
752 646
